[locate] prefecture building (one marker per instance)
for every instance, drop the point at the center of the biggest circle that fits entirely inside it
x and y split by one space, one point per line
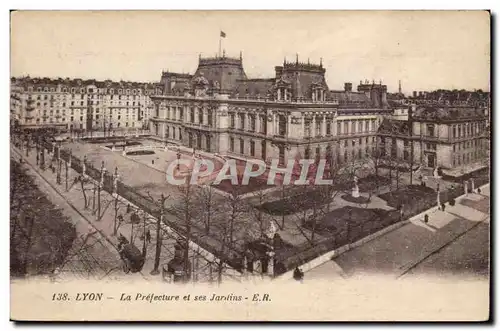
220 110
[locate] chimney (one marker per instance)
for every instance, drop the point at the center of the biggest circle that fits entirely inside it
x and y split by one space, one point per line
420 93
348 87
414 94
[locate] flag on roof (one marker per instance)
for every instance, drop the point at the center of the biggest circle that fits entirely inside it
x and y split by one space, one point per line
223 34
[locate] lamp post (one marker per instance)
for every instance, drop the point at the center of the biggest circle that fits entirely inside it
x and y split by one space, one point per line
99 188
178 158
42 157
68 166
155 270
58 178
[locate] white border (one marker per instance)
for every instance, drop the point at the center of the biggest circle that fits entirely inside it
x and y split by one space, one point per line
200 4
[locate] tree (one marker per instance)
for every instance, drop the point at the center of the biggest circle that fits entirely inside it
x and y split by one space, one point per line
184 210
160 203
207 204
235 209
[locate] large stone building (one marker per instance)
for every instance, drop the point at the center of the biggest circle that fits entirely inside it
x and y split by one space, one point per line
220 110
76 104
453 138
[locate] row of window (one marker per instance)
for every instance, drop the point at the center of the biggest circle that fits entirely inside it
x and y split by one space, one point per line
234 143
466 158
100 90
476 143
252 122
170 132
467 129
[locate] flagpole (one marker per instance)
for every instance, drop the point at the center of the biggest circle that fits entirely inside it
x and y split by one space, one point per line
220 44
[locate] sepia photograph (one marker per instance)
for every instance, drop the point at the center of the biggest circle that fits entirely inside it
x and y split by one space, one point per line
250 165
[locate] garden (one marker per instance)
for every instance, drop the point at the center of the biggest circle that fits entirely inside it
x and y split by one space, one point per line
41 236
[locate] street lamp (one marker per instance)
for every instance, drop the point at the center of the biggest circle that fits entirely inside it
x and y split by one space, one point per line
178 158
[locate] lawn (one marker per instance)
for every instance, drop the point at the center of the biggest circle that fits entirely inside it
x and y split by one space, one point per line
349 224
254 184
414 199
295 202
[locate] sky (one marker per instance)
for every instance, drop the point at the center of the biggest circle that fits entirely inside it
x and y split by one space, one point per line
425 50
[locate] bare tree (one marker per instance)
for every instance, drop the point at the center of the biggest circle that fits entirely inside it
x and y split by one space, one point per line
161 206
207 204
184 210
228 227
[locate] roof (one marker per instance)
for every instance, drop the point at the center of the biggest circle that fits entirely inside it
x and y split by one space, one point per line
254 87
436 112
389 126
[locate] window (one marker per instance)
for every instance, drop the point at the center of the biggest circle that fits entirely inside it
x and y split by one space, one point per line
307 127
210 118
263 123
338 128
242 121
454 131
200 116
191 115
318 127
394 150
430 130
232 120
252 123
282 154
242 146
252 148
328 128
345 143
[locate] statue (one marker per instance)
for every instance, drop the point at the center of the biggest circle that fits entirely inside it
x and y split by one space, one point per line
355 189
271 231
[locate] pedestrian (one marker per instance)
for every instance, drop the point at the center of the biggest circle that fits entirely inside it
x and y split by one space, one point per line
298 274
148 236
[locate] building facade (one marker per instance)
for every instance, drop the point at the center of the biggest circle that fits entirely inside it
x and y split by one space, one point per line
220 110
453 138
76 104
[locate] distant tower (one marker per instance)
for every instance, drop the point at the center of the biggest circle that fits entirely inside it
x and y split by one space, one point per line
400 92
